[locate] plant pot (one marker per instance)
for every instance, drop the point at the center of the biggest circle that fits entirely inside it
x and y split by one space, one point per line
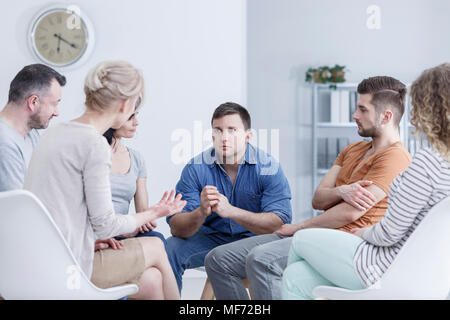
338 76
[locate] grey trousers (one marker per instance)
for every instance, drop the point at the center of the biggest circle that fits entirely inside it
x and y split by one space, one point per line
260 259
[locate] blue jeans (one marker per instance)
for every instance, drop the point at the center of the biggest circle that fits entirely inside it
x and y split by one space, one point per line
148 234
190 253
153 234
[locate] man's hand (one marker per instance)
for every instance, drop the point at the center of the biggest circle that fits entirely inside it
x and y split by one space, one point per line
206 203
213 200
357 196
108 243
222 206
288 230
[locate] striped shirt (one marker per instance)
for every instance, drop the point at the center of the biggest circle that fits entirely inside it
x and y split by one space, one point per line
411 195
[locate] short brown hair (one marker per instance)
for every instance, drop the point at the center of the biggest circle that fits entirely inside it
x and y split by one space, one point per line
430 98
386 92
228 108
32 79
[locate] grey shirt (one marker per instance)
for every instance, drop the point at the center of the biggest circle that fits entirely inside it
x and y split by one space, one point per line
15 154
69 172
123 186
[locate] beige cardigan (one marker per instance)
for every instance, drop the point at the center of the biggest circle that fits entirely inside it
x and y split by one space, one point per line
69 172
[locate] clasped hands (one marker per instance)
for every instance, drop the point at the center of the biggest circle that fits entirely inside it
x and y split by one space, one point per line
212 200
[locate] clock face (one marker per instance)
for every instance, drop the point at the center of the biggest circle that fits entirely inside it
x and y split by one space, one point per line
59 37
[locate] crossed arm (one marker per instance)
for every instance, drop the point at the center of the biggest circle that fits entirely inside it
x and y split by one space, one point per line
343 205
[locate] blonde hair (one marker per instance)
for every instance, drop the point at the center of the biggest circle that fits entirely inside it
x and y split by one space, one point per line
110 81
430 98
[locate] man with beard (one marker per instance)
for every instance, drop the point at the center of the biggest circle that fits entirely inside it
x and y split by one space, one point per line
353 194
33 100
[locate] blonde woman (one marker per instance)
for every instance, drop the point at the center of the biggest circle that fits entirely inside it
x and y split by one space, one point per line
358 260
69 172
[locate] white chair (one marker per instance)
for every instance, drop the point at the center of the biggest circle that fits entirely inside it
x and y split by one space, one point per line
421 269
35 260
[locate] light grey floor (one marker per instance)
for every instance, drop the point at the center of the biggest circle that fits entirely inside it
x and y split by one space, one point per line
193 283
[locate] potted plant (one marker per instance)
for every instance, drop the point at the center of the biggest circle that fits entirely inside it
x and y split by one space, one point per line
318 75
337 73
325 74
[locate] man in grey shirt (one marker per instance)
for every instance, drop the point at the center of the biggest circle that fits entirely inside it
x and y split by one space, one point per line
33 100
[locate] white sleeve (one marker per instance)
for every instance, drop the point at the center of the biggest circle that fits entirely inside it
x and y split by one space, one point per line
97 190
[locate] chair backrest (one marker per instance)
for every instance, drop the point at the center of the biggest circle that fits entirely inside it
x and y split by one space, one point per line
421 269
35 260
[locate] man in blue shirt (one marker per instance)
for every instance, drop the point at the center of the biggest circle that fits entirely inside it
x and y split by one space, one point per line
233 191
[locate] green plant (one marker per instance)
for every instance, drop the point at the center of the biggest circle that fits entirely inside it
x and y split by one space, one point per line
318 75
325 74
337 73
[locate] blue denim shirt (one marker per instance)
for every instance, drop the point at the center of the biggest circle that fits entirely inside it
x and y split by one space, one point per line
260 186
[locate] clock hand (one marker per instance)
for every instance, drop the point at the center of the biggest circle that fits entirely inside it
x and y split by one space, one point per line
73 45
58 48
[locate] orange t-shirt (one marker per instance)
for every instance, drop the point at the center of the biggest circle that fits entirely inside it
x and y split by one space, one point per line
381 168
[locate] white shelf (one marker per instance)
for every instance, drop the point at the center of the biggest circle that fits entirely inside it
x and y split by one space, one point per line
336 125
339 86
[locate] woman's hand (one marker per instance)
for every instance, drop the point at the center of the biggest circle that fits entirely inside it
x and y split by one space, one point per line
358 231
148 227
108 243
168 206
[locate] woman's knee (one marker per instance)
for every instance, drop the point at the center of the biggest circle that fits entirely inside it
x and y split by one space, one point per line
151 243
304 240
154 249
150 284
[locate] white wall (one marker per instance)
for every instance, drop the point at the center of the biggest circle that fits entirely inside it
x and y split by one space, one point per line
192 54
196 54
285 37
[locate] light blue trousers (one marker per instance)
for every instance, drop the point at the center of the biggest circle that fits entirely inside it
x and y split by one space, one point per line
320 257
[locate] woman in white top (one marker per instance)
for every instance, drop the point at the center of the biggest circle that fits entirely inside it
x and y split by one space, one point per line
69 172
356 261
129 177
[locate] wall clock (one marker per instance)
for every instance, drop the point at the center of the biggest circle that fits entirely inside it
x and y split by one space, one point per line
61 36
